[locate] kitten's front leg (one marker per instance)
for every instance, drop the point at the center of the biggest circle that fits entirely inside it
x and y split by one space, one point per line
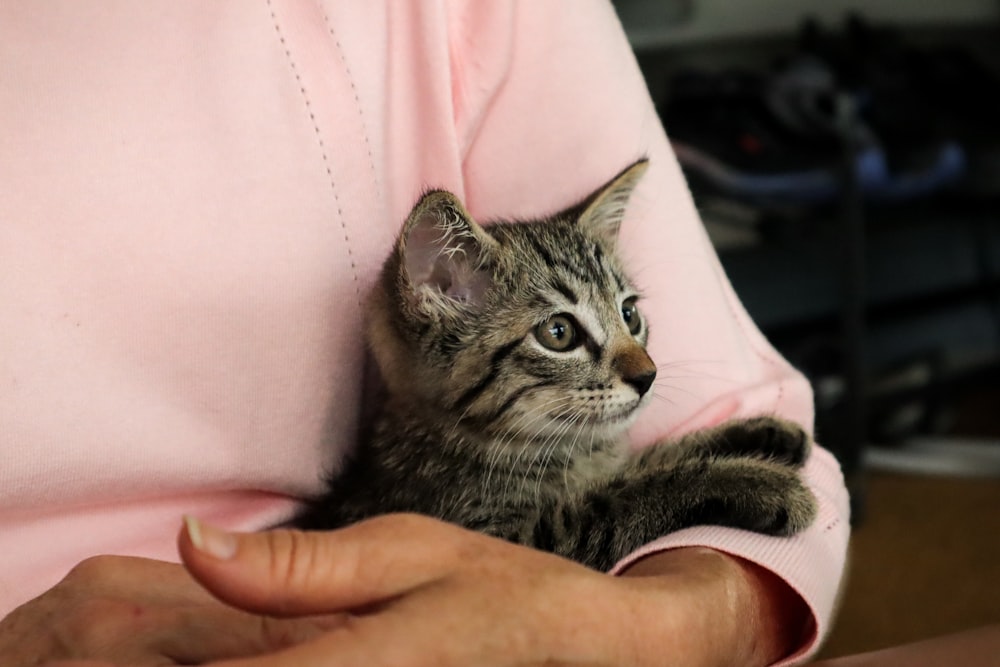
768 438
615 518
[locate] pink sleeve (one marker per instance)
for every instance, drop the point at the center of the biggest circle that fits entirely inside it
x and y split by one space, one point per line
549 104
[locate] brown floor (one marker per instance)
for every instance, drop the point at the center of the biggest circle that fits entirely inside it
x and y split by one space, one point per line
924 562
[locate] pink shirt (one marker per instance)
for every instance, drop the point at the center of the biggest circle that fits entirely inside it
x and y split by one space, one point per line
195 196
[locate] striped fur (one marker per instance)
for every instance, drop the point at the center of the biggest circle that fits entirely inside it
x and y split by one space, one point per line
496 418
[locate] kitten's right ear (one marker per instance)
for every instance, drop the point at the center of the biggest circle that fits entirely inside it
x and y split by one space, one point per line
443 252
604 210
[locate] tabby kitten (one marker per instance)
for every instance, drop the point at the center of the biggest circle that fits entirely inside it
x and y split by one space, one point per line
514 359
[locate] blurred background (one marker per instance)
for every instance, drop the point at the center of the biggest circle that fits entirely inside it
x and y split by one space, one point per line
845 157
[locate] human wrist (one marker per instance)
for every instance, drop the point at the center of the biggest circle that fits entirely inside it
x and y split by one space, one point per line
734 611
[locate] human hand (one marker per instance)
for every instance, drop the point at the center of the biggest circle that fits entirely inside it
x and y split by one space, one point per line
139 612
415 591
422 592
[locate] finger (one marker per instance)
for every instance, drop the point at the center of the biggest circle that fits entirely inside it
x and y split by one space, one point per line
195 636
292 573
128 633
126 577
381 639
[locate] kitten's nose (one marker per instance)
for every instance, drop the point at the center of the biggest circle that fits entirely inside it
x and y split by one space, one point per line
636 369
642 382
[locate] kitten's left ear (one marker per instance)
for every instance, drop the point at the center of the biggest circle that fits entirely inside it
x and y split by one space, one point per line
604 210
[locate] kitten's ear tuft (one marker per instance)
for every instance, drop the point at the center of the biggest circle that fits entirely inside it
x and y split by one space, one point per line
443 252
604 210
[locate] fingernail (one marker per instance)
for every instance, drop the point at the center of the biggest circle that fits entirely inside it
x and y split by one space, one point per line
212 541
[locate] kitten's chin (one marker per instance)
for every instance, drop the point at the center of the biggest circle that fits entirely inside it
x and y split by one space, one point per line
608 426
616 425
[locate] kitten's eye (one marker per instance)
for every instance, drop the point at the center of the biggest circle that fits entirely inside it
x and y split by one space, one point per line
631 316
557 333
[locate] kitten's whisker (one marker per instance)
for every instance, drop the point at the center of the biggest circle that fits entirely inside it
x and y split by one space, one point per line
556 439
593 435
545 453
498 446
570 457
689 362
663 398
695 373
561 442
459 421
532 416
510 432
569 448
540 453
659 384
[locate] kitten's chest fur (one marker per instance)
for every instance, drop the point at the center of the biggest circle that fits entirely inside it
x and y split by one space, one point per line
413 462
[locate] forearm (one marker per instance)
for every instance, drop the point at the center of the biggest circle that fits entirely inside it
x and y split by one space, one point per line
737 613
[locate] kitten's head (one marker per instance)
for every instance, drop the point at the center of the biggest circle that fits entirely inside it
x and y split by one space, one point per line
528 328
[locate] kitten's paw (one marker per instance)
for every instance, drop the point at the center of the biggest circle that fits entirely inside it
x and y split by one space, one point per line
759 496
769 438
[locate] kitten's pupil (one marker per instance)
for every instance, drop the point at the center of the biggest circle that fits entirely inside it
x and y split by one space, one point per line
631 316
557 333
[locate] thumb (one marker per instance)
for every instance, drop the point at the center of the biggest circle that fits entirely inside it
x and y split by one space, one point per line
295 573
